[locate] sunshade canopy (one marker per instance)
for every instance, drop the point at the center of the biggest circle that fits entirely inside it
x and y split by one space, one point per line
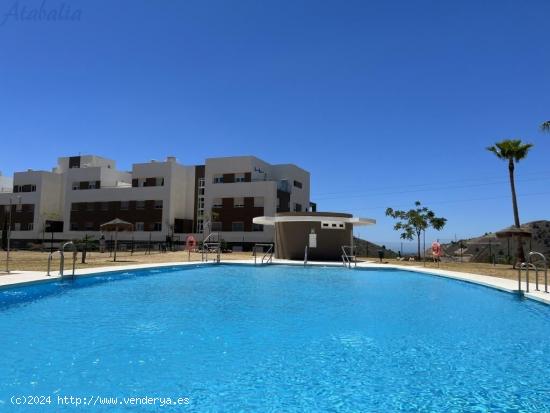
514 232
117 225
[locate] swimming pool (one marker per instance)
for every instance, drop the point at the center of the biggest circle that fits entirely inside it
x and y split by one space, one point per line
275 338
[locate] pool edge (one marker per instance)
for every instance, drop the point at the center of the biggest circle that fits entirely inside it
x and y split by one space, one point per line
501 284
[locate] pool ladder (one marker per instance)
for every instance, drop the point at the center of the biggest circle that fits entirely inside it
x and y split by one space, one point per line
267 258
530 266
214 246
61 253
347 259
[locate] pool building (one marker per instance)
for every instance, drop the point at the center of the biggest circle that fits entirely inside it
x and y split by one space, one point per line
312 235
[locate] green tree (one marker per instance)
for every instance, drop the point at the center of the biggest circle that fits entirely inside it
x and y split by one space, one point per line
412 222
512 151
545 126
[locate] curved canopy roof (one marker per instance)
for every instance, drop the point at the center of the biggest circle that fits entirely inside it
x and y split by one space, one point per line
313 217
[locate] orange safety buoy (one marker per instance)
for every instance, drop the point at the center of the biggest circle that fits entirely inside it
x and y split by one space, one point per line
190 242
436 249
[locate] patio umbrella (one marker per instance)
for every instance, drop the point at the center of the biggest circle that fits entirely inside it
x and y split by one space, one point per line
117 225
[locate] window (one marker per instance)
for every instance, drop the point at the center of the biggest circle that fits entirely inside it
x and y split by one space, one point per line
140 204
17 226
237 226
91 185
104 206
332 225
28 227
201 203
18 207
201 191
298 184
140 226
216 226
24 188
283 185
257 227
76 186
157 226
217 203
200 226
124 205
238 202
158 204
75 207
218 179
239 178
90 206
160 181
259 202
74 226
297 207
89 226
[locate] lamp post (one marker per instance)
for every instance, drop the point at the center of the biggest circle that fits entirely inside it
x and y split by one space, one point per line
9 234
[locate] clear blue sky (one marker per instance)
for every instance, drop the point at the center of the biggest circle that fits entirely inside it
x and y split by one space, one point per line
385 102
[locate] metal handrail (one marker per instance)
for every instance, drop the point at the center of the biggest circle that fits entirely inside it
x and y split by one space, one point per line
209 246
305 256
61 253
270 253
206 246
74 253
61 263
538 254
525 266
267 258
347 258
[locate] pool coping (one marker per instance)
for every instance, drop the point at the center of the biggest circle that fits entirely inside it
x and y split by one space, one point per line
22 278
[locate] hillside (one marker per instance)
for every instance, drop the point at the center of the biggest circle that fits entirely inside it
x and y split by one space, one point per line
480 249
366 248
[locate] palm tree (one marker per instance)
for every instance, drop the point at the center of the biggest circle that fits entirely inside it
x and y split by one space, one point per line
545 126
513 151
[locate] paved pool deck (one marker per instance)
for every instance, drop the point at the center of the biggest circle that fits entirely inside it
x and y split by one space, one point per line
17 278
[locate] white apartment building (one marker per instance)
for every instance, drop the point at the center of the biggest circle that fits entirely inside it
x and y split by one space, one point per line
237 189
6 183
35 197
161 198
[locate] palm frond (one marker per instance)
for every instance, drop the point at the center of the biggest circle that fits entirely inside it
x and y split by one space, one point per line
511 149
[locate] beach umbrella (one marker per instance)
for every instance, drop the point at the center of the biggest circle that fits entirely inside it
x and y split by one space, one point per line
116 225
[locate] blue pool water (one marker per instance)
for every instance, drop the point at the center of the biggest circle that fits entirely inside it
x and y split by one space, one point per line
274 339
